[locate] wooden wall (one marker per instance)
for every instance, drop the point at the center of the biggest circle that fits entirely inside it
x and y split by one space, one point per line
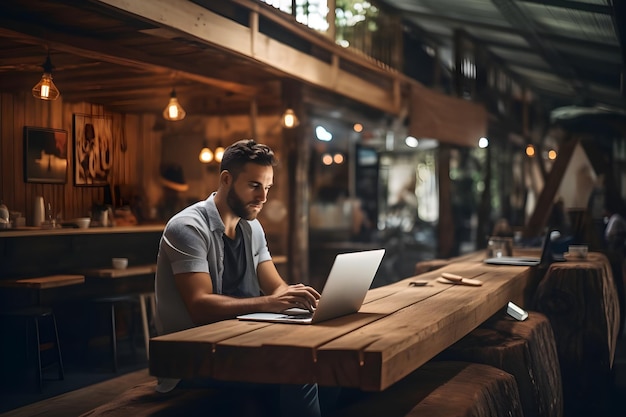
136 166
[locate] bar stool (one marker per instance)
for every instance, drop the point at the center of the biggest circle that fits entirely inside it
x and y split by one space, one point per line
110 303
39 316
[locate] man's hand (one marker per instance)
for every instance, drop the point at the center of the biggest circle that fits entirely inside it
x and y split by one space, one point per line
295 296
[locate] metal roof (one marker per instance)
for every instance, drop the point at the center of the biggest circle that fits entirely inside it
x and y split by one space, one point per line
564 51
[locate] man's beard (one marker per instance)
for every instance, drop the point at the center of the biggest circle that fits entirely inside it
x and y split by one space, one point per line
238 207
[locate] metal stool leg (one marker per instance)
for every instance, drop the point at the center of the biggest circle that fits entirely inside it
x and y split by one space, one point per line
113 337
58 346
38 346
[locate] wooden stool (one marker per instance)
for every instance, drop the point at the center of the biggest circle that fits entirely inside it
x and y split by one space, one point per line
430 265
525 349
580 300
443 389
37 315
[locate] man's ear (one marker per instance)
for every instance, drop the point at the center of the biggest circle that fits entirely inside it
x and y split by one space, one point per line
226 178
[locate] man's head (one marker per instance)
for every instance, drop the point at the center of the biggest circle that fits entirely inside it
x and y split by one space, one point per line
246 151
246 176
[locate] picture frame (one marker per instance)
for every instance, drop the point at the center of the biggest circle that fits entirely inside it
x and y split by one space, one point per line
45 155
93 150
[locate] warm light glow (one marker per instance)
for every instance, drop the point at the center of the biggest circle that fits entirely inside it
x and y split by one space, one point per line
290 119
327 159
552 154
530 150
206 155
174 111
358 127
45 88
338 158
219 153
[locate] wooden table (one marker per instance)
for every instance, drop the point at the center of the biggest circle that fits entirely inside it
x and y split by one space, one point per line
121 273
398 328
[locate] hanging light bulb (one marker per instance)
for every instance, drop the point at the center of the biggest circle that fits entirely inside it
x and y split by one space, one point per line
45 88
219 153
289 118
206 155
174 111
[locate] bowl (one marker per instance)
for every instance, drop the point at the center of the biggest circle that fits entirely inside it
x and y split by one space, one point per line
82 222
119 263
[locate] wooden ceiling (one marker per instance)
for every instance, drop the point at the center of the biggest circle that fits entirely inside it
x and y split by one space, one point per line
106 57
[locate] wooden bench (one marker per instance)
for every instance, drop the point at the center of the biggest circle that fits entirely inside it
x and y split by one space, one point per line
442 389
143 401
526 350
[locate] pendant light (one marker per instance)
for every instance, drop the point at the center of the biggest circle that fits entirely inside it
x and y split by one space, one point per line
219 153
289 118
45 88
174 111
206 155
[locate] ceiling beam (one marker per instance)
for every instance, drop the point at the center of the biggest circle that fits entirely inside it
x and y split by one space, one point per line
28 33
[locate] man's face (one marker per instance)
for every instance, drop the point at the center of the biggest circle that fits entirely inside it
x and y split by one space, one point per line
248 192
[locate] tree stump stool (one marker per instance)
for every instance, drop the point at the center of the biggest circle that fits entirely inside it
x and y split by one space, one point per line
579 299
442 389
430 265
526 350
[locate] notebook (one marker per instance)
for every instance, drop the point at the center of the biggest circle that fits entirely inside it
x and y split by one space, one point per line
346 286
546 255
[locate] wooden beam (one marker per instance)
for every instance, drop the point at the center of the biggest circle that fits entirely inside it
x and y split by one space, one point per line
221 32
540 215
112 53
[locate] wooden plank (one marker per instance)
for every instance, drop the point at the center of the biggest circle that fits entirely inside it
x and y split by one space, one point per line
51 281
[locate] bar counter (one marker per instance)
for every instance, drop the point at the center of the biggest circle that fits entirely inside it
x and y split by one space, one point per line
35 252
38 231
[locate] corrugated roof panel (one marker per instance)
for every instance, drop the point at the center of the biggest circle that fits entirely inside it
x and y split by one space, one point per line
522 58
572 23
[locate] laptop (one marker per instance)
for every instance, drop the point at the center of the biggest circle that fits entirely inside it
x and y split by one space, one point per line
346 286
546 254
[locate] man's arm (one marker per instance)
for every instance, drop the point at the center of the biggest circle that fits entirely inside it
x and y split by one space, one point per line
204 306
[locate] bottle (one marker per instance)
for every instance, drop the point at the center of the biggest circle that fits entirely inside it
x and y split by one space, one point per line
38 212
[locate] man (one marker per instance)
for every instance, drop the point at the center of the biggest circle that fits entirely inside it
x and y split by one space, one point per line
214 264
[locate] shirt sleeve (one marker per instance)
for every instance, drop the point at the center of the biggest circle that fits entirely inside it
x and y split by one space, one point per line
186 245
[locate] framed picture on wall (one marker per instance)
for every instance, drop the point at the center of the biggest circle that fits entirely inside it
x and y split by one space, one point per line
45 155
93 150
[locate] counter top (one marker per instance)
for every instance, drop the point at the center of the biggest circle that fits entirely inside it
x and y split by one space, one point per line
38 231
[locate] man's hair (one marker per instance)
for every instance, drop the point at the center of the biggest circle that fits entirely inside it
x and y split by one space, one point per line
246 151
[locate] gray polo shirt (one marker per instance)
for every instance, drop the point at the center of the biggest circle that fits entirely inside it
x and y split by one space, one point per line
192 242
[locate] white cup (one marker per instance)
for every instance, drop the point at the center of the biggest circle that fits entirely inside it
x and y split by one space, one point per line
119 263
